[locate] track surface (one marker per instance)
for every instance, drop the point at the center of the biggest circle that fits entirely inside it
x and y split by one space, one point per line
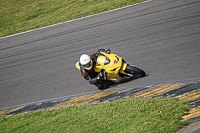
161 37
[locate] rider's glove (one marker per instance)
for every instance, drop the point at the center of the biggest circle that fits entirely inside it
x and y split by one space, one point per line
102 75
99 76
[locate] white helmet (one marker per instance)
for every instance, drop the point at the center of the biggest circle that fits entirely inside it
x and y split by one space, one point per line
86 62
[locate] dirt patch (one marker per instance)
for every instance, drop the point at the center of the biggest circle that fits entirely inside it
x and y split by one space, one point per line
189 128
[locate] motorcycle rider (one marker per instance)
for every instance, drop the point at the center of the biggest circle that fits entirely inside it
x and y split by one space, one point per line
86 64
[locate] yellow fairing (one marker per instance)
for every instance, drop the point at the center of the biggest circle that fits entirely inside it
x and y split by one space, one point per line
124 65
77 66
112 63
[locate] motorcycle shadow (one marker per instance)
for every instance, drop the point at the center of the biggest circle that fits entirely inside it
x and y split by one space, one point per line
112 84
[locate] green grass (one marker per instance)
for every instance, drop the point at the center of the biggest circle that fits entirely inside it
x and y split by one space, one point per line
138 115
22 15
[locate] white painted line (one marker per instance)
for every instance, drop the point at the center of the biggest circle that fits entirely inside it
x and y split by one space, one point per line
76 19
196 130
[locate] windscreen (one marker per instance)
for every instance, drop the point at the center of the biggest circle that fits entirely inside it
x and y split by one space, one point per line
102 60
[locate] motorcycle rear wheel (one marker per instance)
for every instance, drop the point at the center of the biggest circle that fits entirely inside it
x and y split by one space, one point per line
136 72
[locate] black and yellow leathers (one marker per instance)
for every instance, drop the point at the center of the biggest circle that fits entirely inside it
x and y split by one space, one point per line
92 76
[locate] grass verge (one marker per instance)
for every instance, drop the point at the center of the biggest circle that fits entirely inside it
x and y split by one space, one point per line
22 15
138 115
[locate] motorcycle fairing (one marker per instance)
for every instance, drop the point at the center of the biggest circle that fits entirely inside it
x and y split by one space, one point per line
77 66
111 63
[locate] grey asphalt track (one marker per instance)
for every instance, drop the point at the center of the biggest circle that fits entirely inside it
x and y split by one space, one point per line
161 37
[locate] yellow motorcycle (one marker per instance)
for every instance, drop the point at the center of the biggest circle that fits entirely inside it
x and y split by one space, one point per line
117 70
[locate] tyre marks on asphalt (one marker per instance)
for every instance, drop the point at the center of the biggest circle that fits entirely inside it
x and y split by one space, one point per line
184 90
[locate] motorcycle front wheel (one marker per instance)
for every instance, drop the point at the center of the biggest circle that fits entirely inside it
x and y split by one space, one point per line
136 72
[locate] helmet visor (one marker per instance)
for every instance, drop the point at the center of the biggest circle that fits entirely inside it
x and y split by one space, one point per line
88 65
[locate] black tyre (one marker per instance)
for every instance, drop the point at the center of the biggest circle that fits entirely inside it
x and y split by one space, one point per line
137 72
